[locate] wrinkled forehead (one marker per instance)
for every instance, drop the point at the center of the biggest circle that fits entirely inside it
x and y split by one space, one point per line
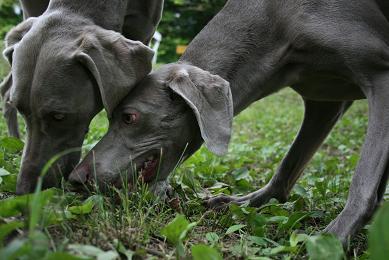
57 82
62 79
153 96
44 71
151 91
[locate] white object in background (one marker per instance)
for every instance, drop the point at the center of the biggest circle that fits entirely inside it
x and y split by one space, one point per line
154 44
17 9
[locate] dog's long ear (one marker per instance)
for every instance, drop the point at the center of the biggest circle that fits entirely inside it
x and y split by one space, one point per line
210 98
15 36
115 62
5 86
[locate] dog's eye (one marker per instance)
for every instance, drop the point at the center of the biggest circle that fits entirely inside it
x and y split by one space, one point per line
58 117
130 118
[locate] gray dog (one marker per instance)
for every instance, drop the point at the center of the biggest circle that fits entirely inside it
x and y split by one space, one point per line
67 65
330 52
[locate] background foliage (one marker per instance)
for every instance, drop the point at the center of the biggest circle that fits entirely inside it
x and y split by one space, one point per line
181 21
8 18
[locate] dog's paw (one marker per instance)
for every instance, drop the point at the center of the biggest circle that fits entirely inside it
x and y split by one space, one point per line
219 202
162 190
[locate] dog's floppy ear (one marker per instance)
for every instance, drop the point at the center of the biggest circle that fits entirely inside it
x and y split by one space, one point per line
15 36
115 62
5 86
210 98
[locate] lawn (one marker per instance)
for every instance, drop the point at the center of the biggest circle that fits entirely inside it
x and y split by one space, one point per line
58 224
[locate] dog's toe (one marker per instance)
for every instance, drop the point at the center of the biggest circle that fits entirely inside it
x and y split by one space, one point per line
219 202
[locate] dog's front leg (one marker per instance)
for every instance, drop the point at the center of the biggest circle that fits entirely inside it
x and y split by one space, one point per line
369 181
319 119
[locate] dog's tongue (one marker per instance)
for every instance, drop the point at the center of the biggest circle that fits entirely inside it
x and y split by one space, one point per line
148 172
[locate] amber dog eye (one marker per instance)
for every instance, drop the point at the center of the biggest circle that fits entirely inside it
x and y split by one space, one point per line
130 118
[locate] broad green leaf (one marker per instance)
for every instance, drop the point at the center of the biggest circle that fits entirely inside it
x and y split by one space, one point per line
260 241
3 172
14 206
11 144
257 224
86 207
280 249
6 229
204 252
85 250
297 238
9 183
179 2
212 237
176 230
278 219
379 234
109 255
294 219
234 228
92 251
275 209
241 174
121 249
62 256
324 247
300 190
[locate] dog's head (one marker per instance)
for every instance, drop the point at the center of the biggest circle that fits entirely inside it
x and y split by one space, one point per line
65 70
166 118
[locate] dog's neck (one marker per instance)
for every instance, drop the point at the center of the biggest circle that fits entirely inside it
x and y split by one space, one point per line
241 46
108 14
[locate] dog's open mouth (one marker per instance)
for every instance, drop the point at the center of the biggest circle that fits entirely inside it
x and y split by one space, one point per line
148 169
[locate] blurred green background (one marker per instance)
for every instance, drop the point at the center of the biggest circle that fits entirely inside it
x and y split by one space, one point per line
182 20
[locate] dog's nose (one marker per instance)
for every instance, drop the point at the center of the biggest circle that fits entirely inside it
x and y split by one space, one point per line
80 175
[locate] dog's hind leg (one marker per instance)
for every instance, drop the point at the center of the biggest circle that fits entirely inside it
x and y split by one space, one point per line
319 119
369 181
9 111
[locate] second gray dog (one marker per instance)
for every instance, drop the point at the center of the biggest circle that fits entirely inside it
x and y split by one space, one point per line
68 64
